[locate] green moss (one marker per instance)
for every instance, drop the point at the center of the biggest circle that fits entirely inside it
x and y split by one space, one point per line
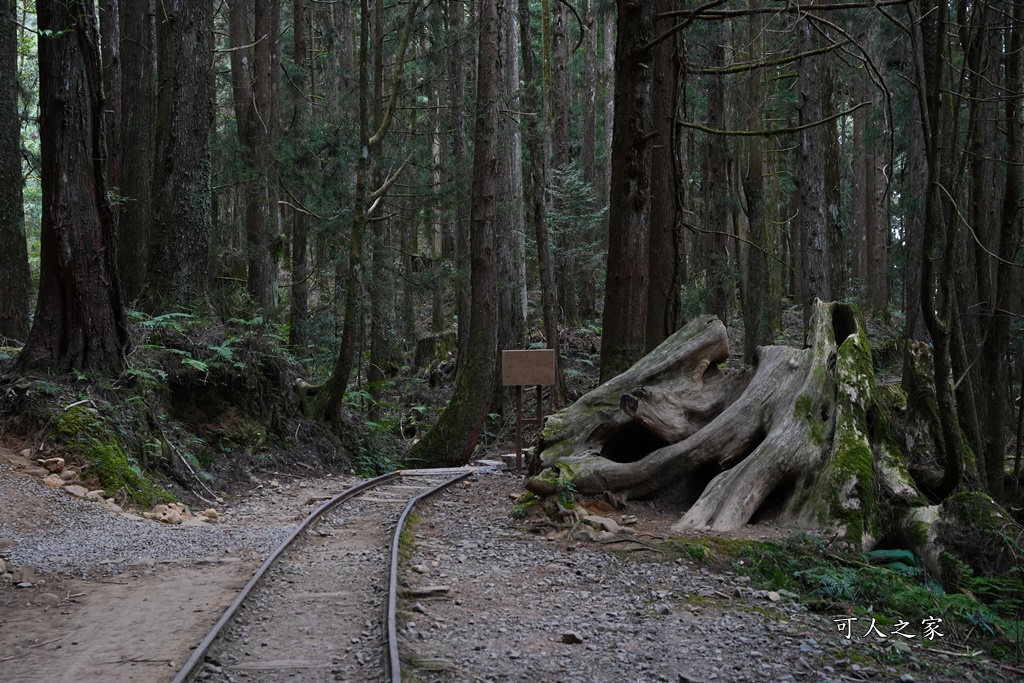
804 410
524 505
79 428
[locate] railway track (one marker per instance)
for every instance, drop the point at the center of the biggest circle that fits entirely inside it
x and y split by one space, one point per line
321 608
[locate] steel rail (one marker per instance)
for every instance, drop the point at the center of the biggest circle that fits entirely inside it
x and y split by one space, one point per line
199 653
392 640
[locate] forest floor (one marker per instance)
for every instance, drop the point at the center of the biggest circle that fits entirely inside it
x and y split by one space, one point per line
115 597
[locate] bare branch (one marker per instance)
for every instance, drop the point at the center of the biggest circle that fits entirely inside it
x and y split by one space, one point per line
774 131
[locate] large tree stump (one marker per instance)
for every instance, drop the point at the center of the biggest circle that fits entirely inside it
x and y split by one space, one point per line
788 439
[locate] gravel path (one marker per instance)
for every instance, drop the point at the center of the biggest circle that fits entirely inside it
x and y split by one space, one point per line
519 606
523 608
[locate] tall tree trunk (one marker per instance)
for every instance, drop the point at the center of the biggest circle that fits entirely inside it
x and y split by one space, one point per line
535 126
110 59
179 246
716 190
565 270
369 151
137 127
80 321
252 74
454 436
756 297
457 96
587 281
812 176
861 193
623 336
15 283
997 342
510 241
664 279
930 23
302 45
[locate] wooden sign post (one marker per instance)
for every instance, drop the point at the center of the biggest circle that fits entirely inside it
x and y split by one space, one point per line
523 368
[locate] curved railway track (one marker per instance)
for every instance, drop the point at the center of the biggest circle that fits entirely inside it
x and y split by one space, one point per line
320 608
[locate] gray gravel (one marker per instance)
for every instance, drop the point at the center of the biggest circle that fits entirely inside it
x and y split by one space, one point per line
83 539
524 608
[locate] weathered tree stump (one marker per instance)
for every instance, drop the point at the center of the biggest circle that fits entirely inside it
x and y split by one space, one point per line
799 438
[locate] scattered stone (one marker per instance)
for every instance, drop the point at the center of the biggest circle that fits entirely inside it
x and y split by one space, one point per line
906 678
901 646
26 573
663 609
27 453
427 591
571 638
96 496
684 678
75 490
109 504
773 596
603 523
628 519
53 465
7 543
164 513
68 474
3 566
144 562
211 514
420 568
54 481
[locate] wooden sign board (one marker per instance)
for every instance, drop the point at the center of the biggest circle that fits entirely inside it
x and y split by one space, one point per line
524 368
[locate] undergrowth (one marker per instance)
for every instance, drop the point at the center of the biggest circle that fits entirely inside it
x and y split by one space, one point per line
984 610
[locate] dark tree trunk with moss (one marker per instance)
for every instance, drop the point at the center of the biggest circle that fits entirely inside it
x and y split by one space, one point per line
14 273
178 273
452 439
80 317
623 336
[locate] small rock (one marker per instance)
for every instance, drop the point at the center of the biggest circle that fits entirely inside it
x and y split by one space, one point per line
275 483
663 609
604 523
7 543
420 568
901 646
27 453
26 573
684 678
3 566
53 465
75 490
906 678
628 519
54 481
144 562
96 496
773 596
571 638
802 665
68 474
211 514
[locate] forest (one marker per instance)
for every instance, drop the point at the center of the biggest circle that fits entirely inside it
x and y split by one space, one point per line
226 226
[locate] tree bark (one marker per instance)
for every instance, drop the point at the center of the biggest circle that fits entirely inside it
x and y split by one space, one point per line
302 45
664 281
623 336
80 321
179 246
716 192
812 176
535 126
786 440
252 73
565 268
15 283
457 96
454 436
135 180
